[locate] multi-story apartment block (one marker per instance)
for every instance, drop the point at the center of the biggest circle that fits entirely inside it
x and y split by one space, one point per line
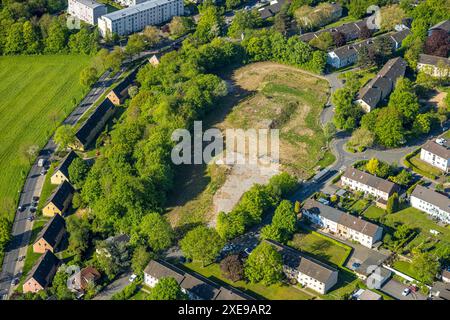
437 155
358 180
433 203
306 270
135 18
342 223
129 3
87 10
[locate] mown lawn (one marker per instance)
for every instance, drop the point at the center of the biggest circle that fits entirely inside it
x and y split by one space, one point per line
406 268
37 93
373 213
273 292
320 247
423 166
359 206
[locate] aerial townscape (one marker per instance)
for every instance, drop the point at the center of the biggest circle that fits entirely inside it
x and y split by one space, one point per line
350 202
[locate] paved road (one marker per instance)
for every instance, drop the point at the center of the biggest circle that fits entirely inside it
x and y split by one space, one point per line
21 230
113 287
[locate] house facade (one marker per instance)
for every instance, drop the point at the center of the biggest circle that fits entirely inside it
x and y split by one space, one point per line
61 172
51 235
431 202
88 11
136 18
436 155
59 201
342 224
306 270
41 275
438 67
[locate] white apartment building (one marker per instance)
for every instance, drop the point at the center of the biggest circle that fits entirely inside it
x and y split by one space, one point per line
437 155
433 203
306 270
135 18
86 10
129 3
358 180
342 224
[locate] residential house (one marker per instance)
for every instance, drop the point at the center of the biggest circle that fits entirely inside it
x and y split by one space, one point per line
61 172
129 3
59 201
84 278
349 30
120 92
348 54
438 67
431 202
341 223
320 15
90 129
443 25
358 180
51 235
271 10
41 276
380 87
88 11
194 285
436 155
154 60
378 277
305 269
440 291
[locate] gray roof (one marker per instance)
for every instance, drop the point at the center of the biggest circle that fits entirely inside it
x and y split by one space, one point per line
439 200
369 295
351 49
370 180
433 60
349 30
90 3
382 85
342 218
44 269
119 14
65 164
51 233
60 195
443 25
303 263
437 149
193 282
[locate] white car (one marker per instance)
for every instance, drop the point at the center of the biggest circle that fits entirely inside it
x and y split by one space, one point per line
406 292
132 277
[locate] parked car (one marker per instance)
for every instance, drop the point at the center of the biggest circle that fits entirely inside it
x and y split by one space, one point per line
36 198
21 258
30 218
41 162
32 209
356 265
406 291
132 277
43 172
14 281
413 288
21 208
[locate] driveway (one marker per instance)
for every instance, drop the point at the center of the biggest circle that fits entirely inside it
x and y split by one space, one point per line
395 289
114 287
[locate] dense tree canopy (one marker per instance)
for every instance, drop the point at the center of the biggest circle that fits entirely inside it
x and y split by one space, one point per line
264 265
202 244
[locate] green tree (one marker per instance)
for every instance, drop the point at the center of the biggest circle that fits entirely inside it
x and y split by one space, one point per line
391 15
135 45
230 225
243 20
389 128
210 24
402 179
422 123
329 130
202 244
156 232
57 38
31 38
78 171
79 235
167 289
59 285
426 267
64 136
141 257
285 219
272 232
264 265
152 35
179 26
372 165
392 203
404 99
88 76
323 41
14 43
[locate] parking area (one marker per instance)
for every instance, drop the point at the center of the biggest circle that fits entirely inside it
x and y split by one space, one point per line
395 289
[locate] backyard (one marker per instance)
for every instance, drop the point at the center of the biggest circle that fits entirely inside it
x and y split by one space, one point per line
273 292
37 92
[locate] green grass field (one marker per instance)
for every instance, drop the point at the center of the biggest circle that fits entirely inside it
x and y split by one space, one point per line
373 213
37 93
